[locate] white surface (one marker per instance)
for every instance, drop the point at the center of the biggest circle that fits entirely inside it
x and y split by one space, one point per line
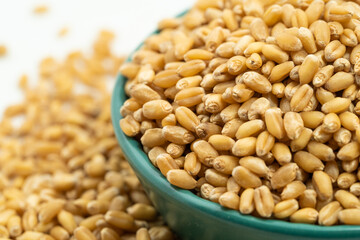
30 37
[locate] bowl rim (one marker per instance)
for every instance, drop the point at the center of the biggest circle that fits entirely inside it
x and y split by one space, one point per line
140 162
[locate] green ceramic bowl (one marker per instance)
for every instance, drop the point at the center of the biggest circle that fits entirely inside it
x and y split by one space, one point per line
192 217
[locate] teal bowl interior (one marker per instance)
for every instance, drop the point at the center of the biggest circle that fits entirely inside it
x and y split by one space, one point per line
192 217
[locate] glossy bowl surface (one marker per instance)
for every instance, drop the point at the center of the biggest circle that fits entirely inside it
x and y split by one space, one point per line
194 218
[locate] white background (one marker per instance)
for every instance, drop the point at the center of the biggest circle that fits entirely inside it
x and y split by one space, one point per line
30 37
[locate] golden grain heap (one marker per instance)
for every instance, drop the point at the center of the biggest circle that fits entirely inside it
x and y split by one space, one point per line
40 9
62 174
254 104
3 50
